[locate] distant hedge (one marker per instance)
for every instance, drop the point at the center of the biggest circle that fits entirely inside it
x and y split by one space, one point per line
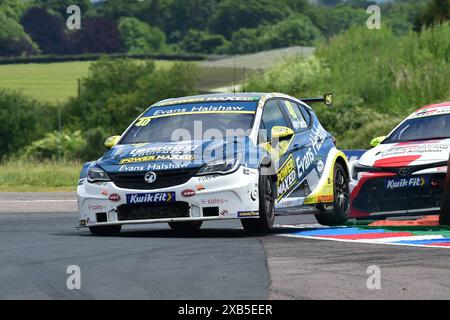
93 57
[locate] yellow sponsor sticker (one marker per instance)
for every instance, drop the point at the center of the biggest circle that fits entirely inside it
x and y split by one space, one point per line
168 157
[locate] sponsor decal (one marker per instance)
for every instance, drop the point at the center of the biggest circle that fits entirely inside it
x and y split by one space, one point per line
153 167
208 99
169 157
243 107
324 198
207 178
105 192
317 139
114 197
214 201
405 183
286 177
200 187
96 207
224 212
246 214
188 193
164 150
431 112
157 197
414 149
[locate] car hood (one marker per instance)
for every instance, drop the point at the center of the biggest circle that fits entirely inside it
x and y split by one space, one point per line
169 155
407 154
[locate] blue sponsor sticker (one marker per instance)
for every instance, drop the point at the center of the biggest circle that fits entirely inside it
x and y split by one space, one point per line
406 183
157 197
202 107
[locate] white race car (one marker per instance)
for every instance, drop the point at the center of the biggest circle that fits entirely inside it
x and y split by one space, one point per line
215 157
405 172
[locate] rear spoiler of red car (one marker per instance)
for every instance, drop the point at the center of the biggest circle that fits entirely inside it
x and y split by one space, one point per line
327 99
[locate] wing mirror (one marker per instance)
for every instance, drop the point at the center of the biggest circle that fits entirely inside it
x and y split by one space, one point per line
112 141
377 141
280 132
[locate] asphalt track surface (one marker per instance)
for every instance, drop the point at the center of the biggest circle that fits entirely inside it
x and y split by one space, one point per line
38 241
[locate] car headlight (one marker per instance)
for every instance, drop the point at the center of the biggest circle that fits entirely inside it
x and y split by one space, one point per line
97 174
358 168
221 166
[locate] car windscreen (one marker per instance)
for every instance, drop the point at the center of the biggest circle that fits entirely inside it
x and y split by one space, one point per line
422 128
198 121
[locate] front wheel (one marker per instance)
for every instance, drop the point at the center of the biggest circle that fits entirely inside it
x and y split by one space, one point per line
185 226
341 206
105 230
264 223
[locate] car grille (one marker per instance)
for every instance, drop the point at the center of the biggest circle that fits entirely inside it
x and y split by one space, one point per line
164 179
129 212
373 197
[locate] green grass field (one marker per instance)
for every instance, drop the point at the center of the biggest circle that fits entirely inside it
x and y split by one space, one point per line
25 176
49 82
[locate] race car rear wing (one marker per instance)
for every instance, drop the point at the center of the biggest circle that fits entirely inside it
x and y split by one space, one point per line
327 99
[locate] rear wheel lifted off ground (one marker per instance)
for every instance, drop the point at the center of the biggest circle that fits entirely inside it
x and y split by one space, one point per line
339 213
185 227
264 223
105 230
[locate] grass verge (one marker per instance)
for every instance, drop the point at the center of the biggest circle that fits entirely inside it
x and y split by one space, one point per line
35 176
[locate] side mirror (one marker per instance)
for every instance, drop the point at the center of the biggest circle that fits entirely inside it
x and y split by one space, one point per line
375 142
280 132
112 141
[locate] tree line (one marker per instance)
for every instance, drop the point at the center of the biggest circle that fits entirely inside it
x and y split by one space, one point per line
30 27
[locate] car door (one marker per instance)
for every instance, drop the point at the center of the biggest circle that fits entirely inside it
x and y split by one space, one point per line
280 149
299 151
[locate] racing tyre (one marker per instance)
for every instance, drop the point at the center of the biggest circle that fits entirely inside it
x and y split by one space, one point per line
105 230
264 223
339 213
185 227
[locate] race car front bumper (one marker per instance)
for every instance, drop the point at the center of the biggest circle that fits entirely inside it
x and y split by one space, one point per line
201 198
388 194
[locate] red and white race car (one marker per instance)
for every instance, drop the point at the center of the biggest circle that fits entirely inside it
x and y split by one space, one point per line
405 171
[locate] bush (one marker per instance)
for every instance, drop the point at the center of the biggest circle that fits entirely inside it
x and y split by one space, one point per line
98 35
232 15
13 39
332 21
139 37
296 30
21 118
55 145
202 42
295 76
46 29
14 8
435 11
